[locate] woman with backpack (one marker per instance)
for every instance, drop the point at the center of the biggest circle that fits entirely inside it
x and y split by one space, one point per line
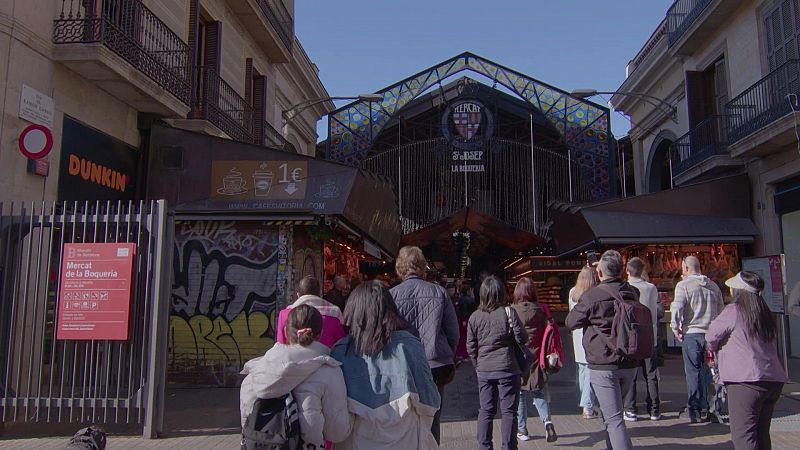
390 388
303 368
744 335
493 332
587 279
534 317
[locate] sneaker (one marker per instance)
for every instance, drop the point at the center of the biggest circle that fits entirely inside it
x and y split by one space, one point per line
655 415
629 416
550 431
523 437
589 413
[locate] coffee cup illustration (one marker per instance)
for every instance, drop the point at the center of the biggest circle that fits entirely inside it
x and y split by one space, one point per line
232 183
262 182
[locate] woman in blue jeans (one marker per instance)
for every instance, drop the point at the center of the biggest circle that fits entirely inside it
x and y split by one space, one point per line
492 332
533 316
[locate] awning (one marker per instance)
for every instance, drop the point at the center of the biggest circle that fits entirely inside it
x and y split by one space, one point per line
485 232
716 211
204 175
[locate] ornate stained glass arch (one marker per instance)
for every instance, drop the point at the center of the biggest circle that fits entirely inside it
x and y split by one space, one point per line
584 126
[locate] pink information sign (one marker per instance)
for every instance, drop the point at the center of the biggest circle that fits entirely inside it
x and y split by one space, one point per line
95 294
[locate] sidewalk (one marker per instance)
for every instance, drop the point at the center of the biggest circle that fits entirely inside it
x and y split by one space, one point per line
208 419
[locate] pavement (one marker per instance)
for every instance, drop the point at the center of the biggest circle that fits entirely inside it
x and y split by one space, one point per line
207 419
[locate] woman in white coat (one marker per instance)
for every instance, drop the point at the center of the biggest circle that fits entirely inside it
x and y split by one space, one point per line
304 368
586 280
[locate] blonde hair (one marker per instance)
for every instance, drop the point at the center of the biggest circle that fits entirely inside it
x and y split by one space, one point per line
410 261
586 280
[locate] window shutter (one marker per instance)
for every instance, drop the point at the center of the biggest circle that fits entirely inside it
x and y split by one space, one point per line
782 29
248 81
213 46
699 89
194 29
720 86
260 107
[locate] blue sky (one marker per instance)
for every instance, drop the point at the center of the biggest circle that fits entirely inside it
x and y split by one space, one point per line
361 46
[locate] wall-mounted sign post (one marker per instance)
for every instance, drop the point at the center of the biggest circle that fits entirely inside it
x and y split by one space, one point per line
95 292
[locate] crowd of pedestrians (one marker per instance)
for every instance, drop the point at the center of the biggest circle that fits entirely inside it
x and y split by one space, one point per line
366 367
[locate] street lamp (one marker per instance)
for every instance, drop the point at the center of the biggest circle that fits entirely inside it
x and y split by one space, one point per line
295 110
656 102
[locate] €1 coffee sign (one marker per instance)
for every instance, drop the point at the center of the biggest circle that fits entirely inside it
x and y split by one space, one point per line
268 180
35 141
94 299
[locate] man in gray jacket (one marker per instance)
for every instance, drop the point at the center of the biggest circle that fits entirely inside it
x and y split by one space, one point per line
697 302
427 309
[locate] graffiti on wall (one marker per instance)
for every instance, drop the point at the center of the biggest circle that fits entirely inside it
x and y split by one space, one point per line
224 298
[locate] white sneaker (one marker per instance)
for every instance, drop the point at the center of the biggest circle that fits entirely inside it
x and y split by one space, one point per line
630 417
523 437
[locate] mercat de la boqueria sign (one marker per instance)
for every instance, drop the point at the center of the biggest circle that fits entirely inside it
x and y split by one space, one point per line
197 173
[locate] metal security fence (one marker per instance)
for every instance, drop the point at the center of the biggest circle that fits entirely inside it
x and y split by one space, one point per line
515 185
43 379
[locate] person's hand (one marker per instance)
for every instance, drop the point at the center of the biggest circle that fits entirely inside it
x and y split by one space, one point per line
678 335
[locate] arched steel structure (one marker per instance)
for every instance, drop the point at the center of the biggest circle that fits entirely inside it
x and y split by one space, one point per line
585 126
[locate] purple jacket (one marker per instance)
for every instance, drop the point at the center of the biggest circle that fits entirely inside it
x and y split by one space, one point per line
742 358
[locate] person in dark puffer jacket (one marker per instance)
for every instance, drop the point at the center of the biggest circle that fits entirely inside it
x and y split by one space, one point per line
430 314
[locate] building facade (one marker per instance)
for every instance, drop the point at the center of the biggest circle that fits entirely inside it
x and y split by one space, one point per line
729 77
101 71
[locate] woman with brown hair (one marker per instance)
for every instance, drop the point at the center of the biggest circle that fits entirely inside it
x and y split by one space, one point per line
390 390
493 331
533 316
587 279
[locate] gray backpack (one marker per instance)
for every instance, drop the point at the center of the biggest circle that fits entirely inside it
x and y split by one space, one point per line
89 438
273 424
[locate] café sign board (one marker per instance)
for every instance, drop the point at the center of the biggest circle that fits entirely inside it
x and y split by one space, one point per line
94 297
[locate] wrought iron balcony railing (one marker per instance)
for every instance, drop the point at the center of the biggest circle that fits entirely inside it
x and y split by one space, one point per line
681 15
709 138
764 102
280 19
221 105
133 32
274 139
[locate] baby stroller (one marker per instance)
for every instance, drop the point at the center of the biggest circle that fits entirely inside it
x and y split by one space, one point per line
719 401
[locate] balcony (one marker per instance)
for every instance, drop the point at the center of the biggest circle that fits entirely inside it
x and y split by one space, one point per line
274 139
219 104
270 24
702 151
691 22
760 119
127 51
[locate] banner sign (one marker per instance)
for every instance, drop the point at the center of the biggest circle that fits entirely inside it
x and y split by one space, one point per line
95 292
770 269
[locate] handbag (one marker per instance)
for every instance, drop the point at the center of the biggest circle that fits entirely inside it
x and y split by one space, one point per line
522 353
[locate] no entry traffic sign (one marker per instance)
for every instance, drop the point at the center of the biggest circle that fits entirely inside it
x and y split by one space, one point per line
35 141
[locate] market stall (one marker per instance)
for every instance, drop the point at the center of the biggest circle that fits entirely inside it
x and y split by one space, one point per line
710 220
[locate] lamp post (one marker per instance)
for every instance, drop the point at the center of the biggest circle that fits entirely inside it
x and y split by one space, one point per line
666 108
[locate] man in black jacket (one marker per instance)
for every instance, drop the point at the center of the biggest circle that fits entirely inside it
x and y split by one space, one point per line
427 309
611 375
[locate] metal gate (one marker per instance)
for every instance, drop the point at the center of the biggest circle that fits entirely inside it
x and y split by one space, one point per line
47 380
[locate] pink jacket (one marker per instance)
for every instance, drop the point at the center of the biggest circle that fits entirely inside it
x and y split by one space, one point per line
332 329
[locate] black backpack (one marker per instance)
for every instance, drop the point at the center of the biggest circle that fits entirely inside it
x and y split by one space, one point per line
89 438
273 424
632 327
